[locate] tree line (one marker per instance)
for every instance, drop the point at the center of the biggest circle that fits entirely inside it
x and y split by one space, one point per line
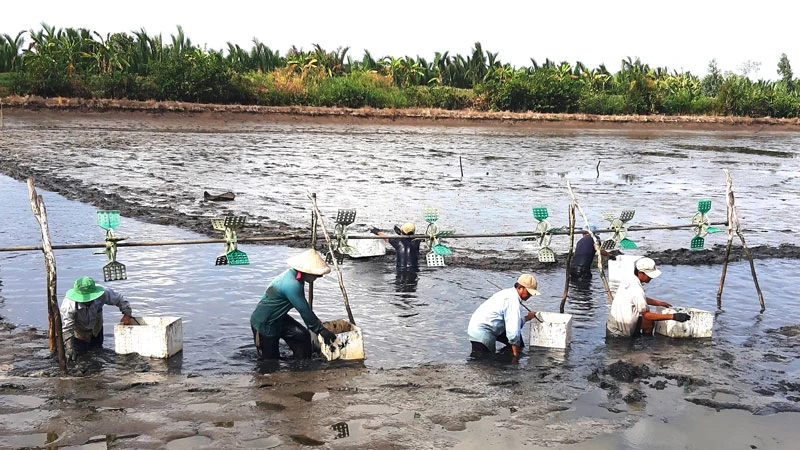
82 63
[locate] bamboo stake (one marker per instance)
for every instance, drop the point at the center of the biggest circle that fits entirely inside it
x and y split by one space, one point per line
53 313
729 201
594 241
569 255
314 246
739 233
333 257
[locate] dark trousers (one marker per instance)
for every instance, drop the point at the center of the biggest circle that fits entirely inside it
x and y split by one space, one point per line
295 335
82 346
480 347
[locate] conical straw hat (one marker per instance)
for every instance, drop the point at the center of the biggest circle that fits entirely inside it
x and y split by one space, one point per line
309 262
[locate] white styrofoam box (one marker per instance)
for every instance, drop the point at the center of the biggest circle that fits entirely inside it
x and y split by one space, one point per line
156 337
699 326
365 248
349 343
554 331
621 266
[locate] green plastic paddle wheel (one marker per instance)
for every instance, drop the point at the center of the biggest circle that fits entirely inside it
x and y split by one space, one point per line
544 232
701 224
619 229
114 270
437 250
229 226
339 243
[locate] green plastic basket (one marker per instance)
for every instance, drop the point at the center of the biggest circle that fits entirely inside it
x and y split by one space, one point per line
697 243
704 205
540 212
108 219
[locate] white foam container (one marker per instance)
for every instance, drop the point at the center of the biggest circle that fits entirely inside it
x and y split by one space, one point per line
699 326
620 267
554 331
366 248
349 343
155 337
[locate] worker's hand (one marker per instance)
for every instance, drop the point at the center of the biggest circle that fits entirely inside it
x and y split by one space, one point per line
69 350
375 230
681 317
530 316
126 320
327 336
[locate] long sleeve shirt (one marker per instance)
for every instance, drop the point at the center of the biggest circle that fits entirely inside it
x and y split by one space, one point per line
85 320
284 293
501 313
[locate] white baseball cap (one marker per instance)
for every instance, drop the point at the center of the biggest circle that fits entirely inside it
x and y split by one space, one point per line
648 266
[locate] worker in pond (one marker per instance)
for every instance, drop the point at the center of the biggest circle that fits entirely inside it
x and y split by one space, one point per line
271 321
82 315
630 315
500 318
407 250
581 267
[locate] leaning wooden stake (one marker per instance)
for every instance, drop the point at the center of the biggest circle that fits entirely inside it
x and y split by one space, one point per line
569 255
314 246
333 257
594 241
53 313
735 225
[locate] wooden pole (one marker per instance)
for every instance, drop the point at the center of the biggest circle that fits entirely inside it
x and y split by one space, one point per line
53 313
569 255
461 166
314 246
729 201
333 257
594 241
738 229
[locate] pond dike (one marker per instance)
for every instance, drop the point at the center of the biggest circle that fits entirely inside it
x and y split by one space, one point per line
262 227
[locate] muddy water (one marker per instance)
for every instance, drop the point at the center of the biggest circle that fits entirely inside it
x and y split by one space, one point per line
749 369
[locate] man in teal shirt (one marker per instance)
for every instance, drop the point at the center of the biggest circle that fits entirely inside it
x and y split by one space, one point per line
271 321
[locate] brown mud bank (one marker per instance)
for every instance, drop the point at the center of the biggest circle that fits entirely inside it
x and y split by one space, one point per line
536 404
228 116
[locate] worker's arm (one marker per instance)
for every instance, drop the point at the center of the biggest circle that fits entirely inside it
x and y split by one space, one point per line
68 308
114 298
512 322
297 298
654 302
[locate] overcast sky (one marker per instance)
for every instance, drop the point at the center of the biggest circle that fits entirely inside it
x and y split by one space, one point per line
681 35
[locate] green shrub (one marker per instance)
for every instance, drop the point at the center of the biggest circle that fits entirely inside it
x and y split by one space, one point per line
357 90
601 103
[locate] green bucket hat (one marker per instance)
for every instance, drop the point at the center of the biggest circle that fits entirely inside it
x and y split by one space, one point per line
84 290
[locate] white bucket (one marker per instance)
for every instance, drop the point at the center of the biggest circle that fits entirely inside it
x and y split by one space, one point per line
155 337
554 331
349 343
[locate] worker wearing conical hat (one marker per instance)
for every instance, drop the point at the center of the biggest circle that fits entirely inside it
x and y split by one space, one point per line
271 321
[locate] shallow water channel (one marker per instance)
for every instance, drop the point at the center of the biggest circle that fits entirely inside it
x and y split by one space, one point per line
388 174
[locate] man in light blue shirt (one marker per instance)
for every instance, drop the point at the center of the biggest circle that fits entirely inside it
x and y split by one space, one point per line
500 319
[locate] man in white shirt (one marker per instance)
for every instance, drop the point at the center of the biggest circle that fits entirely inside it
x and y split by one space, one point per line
630 315
500 318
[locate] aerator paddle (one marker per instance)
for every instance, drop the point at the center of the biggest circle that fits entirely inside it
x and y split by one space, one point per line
232 256
620 229
700 224
435 257
113 271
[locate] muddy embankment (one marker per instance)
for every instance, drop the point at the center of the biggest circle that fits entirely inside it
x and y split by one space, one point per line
299 237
